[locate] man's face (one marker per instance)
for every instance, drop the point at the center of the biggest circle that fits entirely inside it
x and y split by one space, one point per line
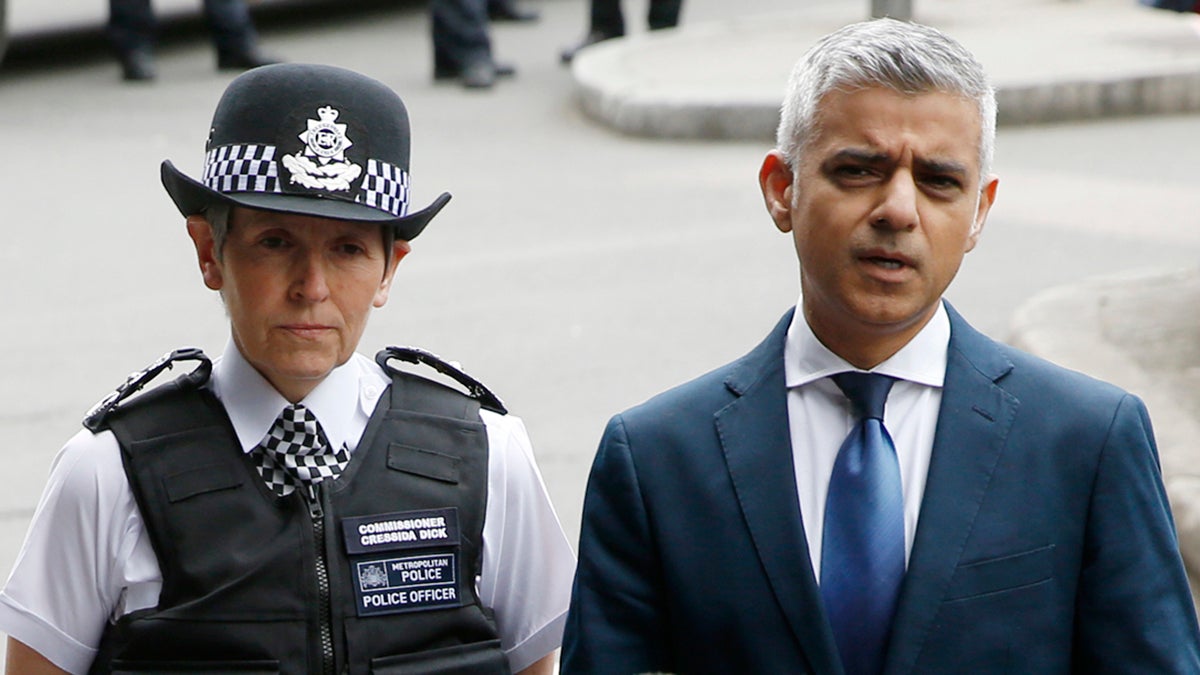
885 202
298 290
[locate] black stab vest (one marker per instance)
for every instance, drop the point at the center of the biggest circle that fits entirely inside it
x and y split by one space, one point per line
402 538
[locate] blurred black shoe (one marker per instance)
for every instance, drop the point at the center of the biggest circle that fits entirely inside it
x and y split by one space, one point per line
479 75
474 75
243 59
592 38
138 65
507 10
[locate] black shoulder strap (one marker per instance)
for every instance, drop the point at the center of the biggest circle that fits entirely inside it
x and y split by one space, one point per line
95 418
475 388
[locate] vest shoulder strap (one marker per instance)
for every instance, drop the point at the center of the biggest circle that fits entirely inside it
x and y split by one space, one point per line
97 418
475 388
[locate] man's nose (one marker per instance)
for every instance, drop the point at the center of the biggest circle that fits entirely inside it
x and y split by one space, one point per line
897 208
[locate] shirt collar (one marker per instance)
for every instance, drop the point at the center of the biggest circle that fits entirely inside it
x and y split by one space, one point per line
922 360
341 402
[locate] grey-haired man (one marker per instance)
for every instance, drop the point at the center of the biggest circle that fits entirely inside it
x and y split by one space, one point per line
877 487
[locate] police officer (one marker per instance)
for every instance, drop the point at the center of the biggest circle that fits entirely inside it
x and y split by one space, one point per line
294 506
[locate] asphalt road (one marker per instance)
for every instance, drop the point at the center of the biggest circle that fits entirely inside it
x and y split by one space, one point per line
577 271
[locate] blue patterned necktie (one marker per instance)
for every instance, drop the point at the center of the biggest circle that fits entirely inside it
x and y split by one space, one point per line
862 552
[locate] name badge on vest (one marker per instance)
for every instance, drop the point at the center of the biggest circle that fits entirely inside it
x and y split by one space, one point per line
390 574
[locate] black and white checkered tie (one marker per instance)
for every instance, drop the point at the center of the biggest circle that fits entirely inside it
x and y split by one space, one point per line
295 452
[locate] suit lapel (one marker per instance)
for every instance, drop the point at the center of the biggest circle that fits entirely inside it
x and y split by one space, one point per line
973 423
757 446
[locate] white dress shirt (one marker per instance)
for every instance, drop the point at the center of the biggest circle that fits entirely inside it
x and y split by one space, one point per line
86 559
820 417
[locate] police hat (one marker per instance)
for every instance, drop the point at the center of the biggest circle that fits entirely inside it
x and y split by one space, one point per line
311 140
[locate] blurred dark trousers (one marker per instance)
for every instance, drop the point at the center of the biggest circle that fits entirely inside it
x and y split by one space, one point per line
460 33
131 25
607 18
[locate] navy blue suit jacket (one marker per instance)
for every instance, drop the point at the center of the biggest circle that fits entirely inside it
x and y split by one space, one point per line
1045 543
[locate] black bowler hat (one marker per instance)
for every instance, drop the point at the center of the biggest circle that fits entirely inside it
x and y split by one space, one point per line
310 140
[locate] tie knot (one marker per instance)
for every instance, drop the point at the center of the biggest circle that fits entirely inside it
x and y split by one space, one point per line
867 391
297 431
296 452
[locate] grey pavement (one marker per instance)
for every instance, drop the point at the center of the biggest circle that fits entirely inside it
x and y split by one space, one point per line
1050 60
579 269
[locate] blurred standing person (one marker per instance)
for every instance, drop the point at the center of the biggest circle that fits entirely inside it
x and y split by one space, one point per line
132 28
607 22
462 46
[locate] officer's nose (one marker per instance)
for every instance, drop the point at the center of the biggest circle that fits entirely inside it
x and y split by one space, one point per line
310 283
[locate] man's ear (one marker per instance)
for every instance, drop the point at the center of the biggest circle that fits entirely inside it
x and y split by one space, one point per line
987 197
776 179
400 248
200 230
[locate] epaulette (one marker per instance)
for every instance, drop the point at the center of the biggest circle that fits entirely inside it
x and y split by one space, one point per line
475 388
94 420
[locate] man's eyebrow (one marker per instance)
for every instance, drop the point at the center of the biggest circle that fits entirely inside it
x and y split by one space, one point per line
943 166
877 158
860 155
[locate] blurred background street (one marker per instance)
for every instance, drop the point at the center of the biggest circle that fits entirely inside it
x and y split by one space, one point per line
577 270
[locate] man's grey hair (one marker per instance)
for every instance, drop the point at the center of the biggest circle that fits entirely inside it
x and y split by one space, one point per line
909 58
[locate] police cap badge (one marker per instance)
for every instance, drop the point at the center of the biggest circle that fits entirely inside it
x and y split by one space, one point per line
311 140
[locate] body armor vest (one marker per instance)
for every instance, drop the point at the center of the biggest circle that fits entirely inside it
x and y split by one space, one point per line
377 575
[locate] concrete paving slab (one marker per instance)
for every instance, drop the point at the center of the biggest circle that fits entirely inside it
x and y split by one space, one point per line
1139 331
1050 60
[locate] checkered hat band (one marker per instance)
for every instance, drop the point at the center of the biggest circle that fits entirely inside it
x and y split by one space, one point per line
385 187
253 168
242 168
295 452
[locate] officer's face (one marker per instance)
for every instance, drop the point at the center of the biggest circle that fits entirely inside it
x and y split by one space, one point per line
298 290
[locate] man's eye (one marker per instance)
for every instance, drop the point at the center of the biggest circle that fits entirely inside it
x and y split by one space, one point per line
943 182
272 242
853 171
854 174
351 249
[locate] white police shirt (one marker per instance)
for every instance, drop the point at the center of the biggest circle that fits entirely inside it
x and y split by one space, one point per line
86 559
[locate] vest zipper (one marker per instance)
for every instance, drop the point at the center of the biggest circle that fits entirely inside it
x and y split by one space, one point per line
322 565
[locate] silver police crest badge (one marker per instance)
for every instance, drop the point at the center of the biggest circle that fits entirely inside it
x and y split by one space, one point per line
322 164
372 576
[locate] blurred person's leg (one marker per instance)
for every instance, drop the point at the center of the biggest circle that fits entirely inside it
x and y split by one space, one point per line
508 10
233 35
461 46
605 22
606 18
663 14
131 30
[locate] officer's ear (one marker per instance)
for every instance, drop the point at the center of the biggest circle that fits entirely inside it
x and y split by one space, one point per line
400 248
200 230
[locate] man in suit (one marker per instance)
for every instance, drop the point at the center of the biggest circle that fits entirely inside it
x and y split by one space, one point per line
998 515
